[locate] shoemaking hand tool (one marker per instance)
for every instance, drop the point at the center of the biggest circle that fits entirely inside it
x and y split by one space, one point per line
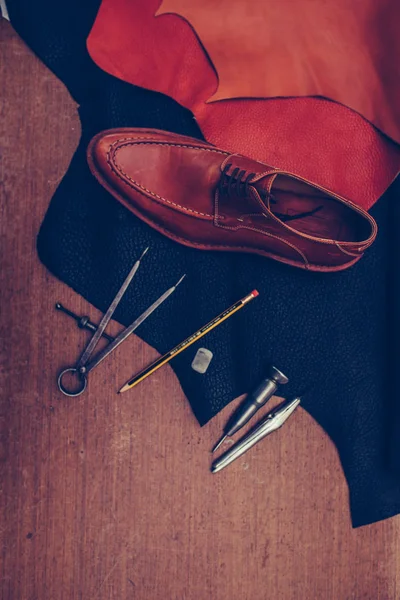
253 403
271 422
84 365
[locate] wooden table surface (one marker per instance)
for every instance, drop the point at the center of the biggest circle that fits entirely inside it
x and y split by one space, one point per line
109 499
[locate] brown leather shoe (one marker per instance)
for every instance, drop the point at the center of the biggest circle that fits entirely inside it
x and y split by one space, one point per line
204 197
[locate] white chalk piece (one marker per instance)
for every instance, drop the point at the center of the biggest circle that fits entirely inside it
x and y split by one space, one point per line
202 360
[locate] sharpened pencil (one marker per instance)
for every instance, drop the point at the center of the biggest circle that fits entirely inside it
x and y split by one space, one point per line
187 342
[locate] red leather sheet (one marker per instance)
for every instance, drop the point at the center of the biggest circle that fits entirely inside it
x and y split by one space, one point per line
343 50
320 140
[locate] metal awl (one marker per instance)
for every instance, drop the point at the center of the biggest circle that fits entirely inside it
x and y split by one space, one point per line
254 401
271 422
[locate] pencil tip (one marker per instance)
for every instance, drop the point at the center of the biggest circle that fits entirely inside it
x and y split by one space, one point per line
219 443
123 389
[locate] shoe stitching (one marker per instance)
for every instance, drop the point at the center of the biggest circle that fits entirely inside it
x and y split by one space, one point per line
199 244
202 245
242 217
320 240
222 167
149 141
274 169
271 235
347 251
270 171
355 253
344 201
228 245
216 221
216 216
112 164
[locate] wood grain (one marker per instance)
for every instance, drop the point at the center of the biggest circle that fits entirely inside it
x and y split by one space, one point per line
108 497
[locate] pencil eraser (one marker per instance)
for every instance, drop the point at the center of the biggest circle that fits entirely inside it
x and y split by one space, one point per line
254 293
202 360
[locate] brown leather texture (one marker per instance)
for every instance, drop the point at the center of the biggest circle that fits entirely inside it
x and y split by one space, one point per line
344 50
317 139
207 198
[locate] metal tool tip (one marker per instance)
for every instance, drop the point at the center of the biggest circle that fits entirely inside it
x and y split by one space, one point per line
180 281
144 252
58 306
217 466
219 443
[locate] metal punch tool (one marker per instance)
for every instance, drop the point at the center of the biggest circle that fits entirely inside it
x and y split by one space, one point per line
84 364
254 401
271 422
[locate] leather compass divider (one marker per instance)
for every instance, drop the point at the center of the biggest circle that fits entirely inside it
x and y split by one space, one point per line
320 140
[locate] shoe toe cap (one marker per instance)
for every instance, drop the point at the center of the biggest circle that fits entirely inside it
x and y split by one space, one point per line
170 174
